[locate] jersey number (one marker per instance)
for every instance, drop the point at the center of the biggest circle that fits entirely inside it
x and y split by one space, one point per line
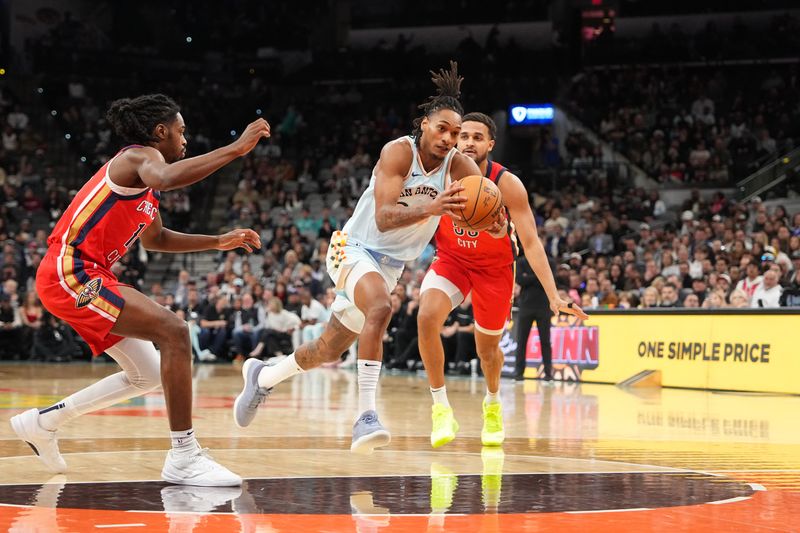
461 231
135 235
114 256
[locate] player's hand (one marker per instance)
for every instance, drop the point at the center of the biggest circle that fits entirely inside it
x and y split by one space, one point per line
239 238
448 202
499 227
559 305
253 133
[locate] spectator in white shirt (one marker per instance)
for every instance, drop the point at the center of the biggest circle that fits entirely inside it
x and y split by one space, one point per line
276 336
313 316
702 106
768 294
17 119
752 282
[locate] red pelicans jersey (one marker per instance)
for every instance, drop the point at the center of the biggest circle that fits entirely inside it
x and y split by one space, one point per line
475 249
74 280
103 221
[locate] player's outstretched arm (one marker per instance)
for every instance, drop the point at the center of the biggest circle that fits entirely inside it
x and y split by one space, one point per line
157 238
149 165
515 198
390 175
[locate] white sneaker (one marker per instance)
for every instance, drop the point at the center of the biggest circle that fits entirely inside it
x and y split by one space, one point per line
197 468
43 443
206 356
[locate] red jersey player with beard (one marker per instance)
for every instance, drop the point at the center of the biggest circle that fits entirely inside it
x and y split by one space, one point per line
481 263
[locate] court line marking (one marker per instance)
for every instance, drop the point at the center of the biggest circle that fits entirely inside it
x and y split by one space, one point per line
474 474
426 515
610 510
755 471
729 500
102 526
424 436
416 452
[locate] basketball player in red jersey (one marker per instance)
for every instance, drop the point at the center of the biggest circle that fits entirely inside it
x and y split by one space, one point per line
117 206
483 263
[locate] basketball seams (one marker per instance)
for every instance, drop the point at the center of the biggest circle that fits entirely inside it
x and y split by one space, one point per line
490 212
475 203
471 222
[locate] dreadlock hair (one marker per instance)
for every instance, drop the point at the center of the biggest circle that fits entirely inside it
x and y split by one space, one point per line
484 119
134 119
448 89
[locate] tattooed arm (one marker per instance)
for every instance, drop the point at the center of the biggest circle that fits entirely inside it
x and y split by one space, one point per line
333 342
390 175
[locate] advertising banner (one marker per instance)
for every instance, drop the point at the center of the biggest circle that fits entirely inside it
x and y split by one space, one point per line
741 352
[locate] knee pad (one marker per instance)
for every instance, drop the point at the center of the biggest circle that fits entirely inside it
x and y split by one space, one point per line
140 361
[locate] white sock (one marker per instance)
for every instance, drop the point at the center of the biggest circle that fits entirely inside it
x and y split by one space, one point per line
368 374
55 415
440 396
105 393
492 397
141 373
284 369
183 441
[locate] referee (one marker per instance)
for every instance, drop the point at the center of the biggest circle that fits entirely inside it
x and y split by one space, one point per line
533 305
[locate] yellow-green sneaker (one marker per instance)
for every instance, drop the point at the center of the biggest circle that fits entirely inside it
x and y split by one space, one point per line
492 477
492 433
444 425
443 485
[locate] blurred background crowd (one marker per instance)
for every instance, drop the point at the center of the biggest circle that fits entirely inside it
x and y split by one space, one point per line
635 194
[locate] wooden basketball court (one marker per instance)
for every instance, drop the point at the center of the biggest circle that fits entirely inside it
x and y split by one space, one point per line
577 458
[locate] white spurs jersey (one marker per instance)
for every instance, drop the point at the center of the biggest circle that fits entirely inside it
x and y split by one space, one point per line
420 187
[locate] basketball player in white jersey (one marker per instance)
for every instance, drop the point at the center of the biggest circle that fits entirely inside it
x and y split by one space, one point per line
413 183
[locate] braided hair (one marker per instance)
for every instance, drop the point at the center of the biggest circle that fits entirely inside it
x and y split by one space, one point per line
448 89
134 119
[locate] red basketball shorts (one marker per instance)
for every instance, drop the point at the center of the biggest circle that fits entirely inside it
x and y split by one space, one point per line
83 295
492 290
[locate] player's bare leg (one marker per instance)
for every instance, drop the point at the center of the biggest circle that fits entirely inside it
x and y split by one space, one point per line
142 318
434 307
327 348
186 462
372 299
491 356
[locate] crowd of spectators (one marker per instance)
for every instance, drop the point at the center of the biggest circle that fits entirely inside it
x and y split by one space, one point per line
692 125
719 254
613 246
732 38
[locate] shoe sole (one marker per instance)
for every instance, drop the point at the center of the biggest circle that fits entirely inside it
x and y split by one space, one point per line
241 395
366 444
177 481
446 439
19 429
494 442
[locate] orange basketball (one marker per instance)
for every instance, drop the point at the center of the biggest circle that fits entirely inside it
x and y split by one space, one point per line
484 203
